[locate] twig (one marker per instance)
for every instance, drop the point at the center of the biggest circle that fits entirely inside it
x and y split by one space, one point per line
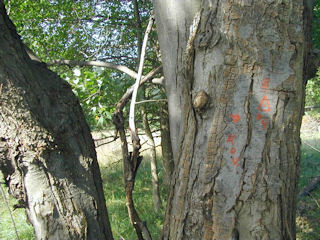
139 225
9 8
314 199
313 184
151 100
311 108
10 212
92 95
314 148
121 68
105 143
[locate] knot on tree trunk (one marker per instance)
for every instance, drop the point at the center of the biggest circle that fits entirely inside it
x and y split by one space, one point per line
200 100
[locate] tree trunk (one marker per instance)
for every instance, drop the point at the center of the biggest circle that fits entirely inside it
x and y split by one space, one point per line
47 154
235 83
153 161
167 155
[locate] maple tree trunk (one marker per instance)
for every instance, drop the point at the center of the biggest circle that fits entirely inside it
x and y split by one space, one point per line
47 154
235 78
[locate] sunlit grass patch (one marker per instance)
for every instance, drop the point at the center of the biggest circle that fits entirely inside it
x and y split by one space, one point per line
308 214
116 200
7 231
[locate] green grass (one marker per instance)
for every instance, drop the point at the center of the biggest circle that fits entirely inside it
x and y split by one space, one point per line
7 231
308 213
116 201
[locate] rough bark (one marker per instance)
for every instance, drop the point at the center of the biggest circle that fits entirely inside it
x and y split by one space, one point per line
167 155
236 73
47 154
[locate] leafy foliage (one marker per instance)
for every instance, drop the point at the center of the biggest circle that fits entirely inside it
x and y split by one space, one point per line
84 31
98 90
313 91
316 24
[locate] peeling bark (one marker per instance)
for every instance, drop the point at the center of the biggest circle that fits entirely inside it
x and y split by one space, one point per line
237 156
47 153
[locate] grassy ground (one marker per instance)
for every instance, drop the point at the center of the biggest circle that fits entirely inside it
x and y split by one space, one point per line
116 202
7 230
308 214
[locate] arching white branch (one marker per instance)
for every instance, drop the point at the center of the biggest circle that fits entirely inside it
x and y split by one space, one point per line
132 125
121 68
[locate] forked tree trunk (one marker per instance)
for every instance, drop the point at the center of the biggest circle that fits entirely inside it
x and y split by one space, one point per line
235 85
46 151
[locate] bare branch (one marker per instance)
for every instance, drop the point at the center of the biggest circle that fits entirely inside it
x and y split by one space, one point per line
152 100
121 68
125 98
117 67
136 159
137 84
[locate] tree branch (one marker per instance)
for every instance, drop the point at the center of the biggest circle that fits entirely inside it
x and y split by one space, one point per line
121 68
117 67
151 100
137 84
139 225
125 97
132 160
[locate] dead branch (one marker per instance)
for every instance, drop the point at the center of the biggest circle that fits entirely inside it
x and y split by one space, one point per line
313 184
132 160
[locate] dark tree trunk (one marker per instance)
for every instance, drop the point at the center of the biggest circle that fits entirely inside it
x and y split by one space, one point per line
47 154
167 155
236 73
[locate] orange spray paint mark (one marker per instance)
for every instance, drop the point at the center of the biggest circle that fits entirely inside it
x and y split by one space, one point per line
266 84
265 123
236 161
236 118
231 138
265 104
233 150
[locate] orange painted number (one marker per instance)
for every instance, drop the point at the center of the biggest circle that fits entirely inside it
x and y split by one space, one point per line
236 118
236 161
265 105
266 84
231 138
233 150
